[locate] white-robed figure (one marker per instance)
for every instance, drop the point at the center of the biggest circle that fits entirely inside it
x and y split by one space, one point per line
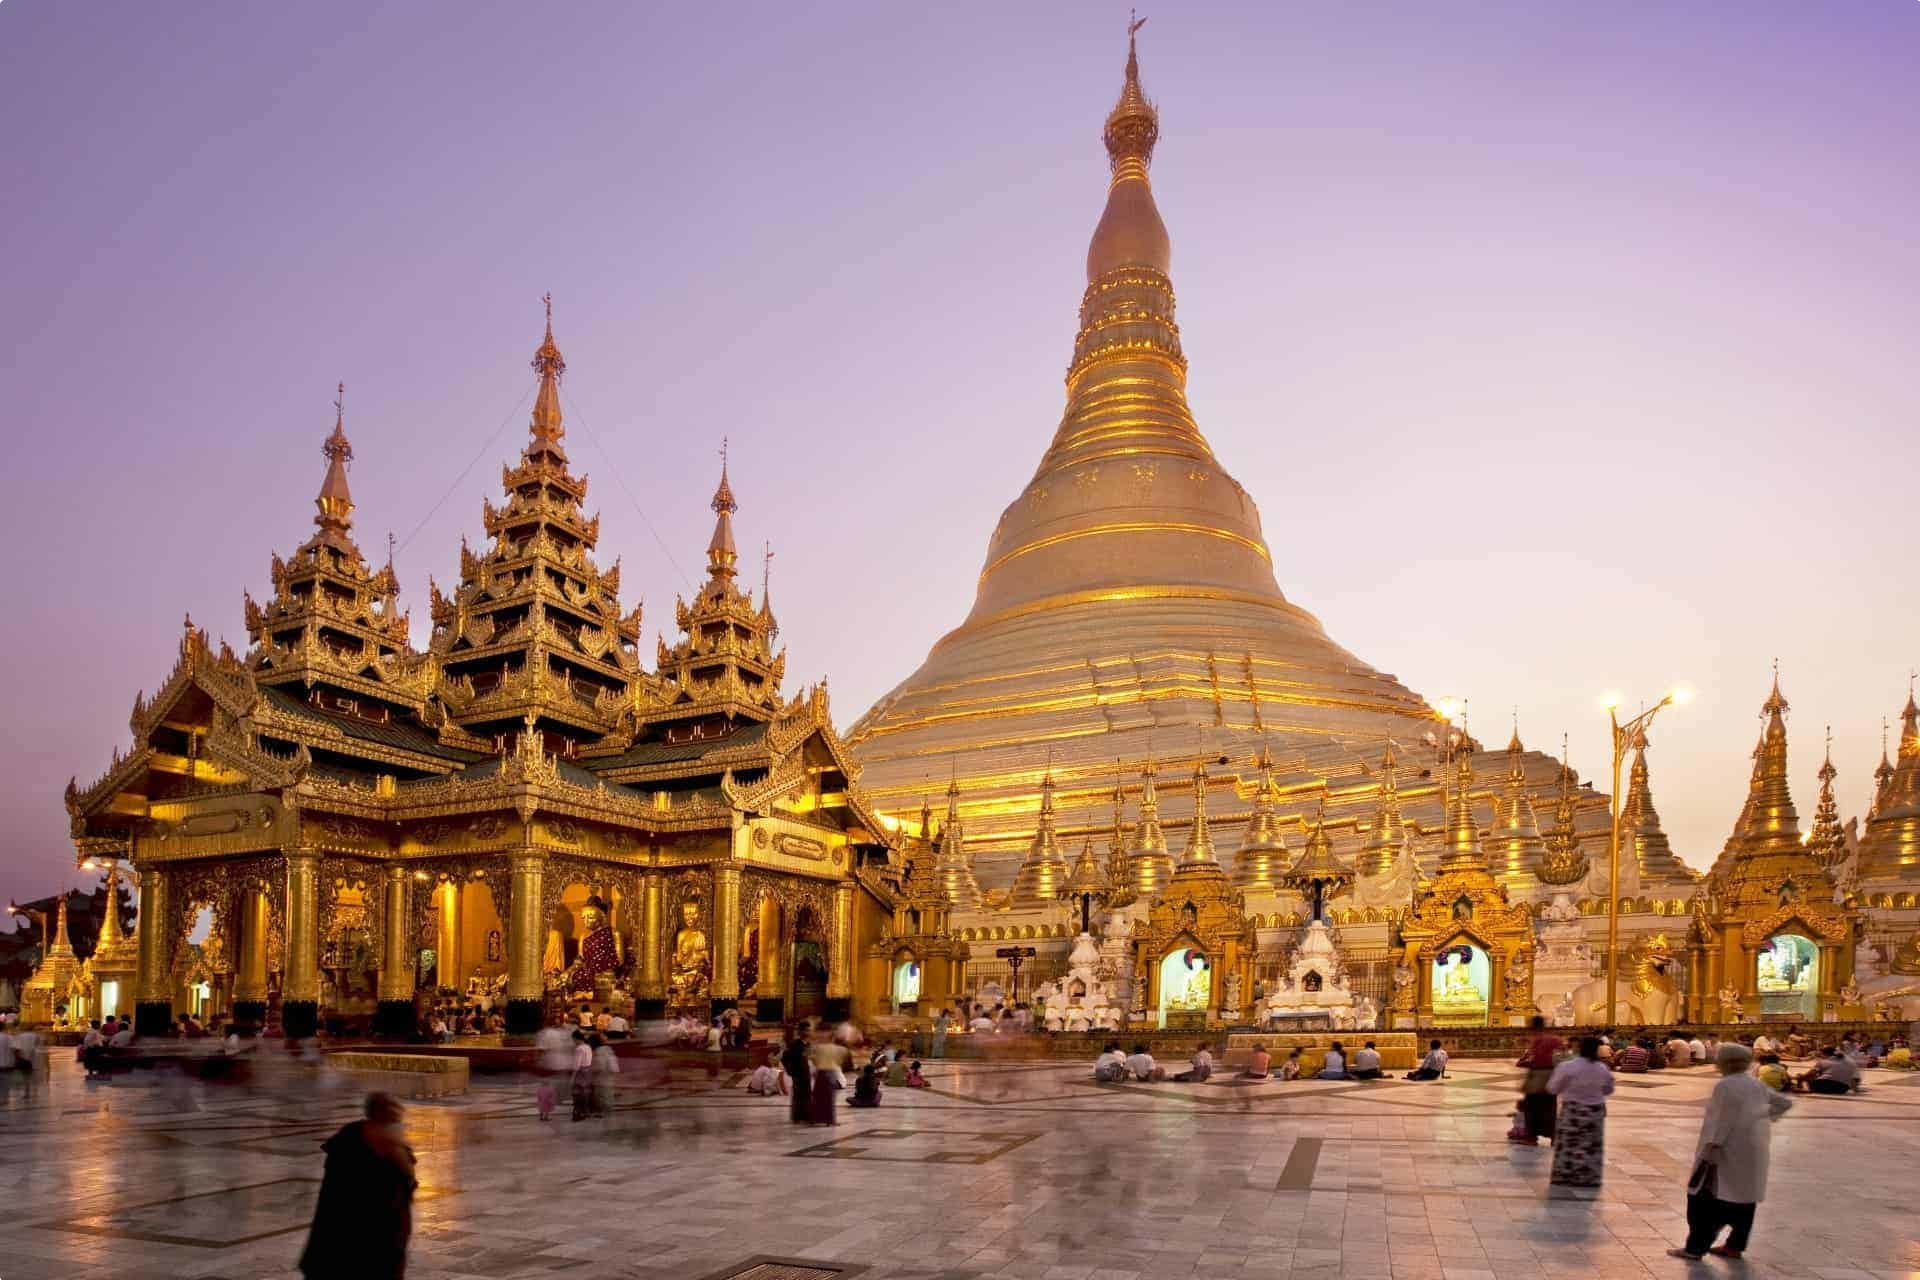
1730 1161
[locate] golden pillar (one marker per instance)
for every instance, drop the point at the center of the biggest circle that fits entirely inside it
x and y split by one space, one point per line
394 1016
652 985
840 959
300 987
449 972
526 936
726 925
250 964
153 983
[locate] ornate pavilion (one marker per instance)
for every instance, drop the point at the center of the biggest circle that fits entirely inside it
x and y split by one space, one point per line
520 812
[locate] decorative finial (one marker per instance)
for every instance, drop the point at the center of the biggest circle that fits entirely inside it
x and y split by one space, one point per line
723 500
548 299
1133 126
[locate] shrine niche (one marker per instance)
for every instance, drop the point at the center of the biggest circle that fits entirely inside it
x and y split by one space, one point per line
1466 950
1770 935
1191 957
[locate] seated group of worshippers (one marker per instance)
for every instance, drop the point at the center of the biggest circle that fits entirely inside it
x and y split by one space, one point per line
1112 1066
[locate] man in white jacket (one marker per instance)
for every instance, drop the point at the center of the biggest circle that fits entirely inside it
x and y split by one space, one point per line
1730 1162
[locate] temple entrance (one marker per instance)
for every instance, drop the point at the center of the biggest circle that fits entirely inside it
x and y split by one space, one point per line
1462 985
809 981
1788 977
906 984
1186 984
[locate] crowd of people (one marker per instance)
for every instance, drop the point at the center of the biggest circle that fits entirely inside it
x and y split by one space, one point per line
1114 1067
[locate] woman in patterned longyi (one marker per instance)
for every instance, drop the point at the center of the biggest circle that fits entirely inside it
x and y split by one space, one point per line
1582 1084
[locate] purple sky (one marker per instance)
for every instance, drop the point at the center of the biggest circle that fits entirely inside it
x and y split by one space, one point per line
1565 348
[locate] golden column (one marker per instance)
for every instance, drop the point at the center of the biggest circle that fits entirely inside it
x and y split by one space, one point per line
250 965
394 1016
840 957
300 987
153 985
652 994
525 938
726 926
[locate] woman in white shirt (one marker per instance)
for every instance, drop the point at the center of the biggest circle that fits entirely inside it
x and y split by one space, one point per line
1582 1084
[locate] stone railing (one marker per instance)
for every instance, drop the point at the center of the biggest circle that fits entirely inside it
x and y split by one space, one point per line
404 1075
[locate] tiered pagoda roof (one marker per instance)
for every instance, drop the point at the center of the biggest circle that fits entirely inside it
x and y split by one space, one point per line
1765 863
1641 834
1513 843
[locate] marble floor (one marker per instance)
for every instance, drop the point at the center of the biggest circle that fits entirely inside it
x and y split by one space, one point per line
1022 1170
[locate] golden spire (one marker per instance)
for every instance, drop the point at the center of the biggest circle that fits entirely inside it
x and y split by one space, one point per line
1262 858
1516 844
1199 841
60 943
1827 840
722 556
335 502
1563 863
547 425
1133 126
1765 852
1119 870
1882 775
1387 833
1086 886
1317 876
1890 843
953 867
1463 850
1641 832
1152 866
1043 871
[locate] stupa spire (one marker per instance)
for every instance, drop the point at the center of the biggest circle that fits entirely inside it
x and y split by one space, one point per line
1562 863
1645 839
1463 851
1890 843
1827 840
1262 858
952 865
1882 774
1765 862
1199 840
1387 833
1043 873
548 427
1152 866
1317 875
1515 844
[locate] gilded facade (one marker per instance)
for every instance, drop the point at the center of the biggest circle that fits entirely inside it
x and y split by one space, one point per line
521 810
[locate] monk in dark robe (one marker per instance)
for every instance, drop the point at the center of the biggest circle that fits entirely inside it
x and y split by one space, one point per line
364 1218
793 1060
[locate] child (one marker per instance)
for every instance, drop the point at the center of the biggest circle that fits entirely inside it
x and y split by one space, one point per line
1290 1069
914 1079
543 1099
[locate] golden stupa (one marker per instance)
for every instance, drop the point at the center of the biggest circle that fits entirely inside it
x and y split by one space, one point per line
1128 607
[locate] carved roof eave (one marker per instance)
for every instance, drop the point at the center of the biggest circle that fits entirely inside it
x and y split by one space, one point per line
307 675
420 801
84 804
720 761
487 710
233 691
1825 921
275 723
739 708
882 892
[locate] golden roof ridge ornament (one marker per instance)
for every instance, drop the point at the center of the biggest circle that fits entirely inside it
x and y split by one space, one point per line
548 426
335 501
1133 126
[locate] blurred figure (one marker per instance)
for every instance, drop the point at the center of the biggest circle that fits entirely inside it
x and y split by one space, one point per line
364 1217
605 1067
793 1060
1730 1162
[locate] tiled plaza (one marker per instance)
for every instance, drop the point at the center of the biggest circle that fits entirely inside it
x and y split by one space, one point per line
1016 1170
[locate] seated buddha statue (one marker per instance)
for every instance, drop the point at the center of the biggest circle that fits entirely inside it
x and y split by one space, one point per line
598 954
687 984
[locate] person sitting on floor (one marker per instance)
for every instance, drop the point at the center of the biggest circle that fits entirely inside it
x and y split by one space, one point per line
1201 1066
914 1079
1334 1065
1772 1074
1679 1051
1290 1069
1259 1063
1834 1073
1366 1063
1433 1066
1111 1065
1703 1048
1634 1059
767 1079
1142 1065
866 1090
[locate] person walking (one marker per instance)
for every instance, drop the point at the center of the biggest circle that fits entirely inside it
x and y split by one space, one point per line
829 1059
940 1023
364 1216
581 1081
1730 1160
605 1067
1537 1106
793 1060
1582 1083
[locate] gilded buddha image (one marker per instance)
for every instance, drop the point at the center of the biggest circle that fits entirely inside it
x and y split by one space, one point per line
691 971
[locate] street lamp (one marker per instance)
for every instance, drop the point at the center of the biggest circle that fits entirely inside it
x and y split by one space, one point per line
1625 737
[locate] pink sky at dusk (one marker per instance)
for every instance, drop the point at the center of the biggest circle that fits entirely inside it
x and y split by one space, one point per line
1565 348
